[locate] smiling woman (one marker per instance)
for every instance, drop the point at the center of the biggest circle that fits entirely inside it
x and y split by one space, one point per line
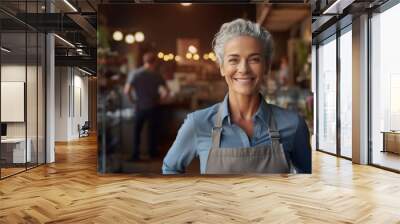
242 134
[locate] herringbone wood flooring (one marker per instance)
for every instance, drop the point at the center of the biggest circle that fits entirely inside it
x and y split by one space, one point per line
71 191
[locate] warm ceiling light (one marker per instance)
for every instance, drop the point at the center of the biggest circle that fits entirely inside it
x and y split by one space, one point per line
177 58
170 56
70 5
212 56
205 56
192 49
129 39
186 4
166 58
196 57
189 55
65 41
118 36
139 36
160 55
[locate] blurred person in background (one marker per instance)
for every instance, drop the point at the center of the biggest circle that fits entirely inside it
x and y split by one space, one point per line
147 84
283 72
243 133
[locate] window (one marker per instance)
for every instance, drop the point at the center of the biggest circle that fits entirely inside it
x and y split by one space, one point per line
23 77
385 88
346 93
327 96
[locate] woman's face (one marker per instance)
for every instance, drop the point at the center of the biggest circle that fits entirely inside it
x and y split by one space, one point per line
243 65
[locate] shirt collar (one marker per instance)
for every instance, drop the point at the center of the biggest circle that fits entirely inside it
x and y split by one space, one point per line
225 110
261 113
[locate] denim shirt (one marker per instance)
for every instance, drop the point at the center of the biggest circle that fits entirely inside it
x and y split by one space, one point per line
194 137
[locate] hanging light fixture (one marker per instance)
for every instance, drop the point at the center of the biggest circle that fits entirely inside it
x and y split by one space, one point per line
139 36
129 39
118 36
192 49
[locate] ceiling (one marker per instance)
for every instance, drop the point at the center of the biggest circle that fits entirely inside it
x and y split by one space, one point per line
331 15
281 18
79 27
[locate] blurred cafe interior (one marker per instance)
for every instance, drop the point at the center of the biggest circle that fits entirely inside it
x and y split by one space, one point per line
181 36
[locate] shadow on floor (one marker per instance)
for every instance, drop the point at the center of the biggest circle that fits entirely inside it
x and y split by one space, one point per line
154 166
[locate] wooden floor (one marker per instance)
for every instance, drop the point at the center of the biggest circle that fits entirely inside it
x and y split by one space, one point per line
10 171
71 191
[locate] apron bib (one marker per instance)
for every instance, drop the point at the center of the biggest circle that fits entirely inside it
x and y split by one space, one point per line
258 159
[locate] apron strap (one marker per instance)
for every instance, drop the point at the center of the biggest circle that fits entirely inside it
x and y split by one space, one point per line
275 137
217 129
273 129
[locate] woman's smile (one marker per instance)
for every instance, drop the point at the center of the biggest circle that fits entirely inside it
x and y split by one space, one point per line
244 80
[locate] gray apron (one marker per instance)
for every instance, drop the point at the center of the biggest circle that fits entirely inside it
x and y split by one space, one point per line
258 159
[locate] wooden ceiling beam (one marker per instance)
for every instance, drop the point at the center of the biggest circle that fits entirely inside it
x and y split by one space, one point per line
264 14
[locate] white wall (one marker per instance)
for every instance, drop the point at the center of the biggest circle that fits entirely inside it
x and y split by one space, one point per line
71 102
61 103
12 73
33 126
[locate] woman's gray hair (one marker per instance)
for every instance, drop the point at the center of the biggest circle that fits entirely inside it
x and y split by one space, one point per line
241 27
